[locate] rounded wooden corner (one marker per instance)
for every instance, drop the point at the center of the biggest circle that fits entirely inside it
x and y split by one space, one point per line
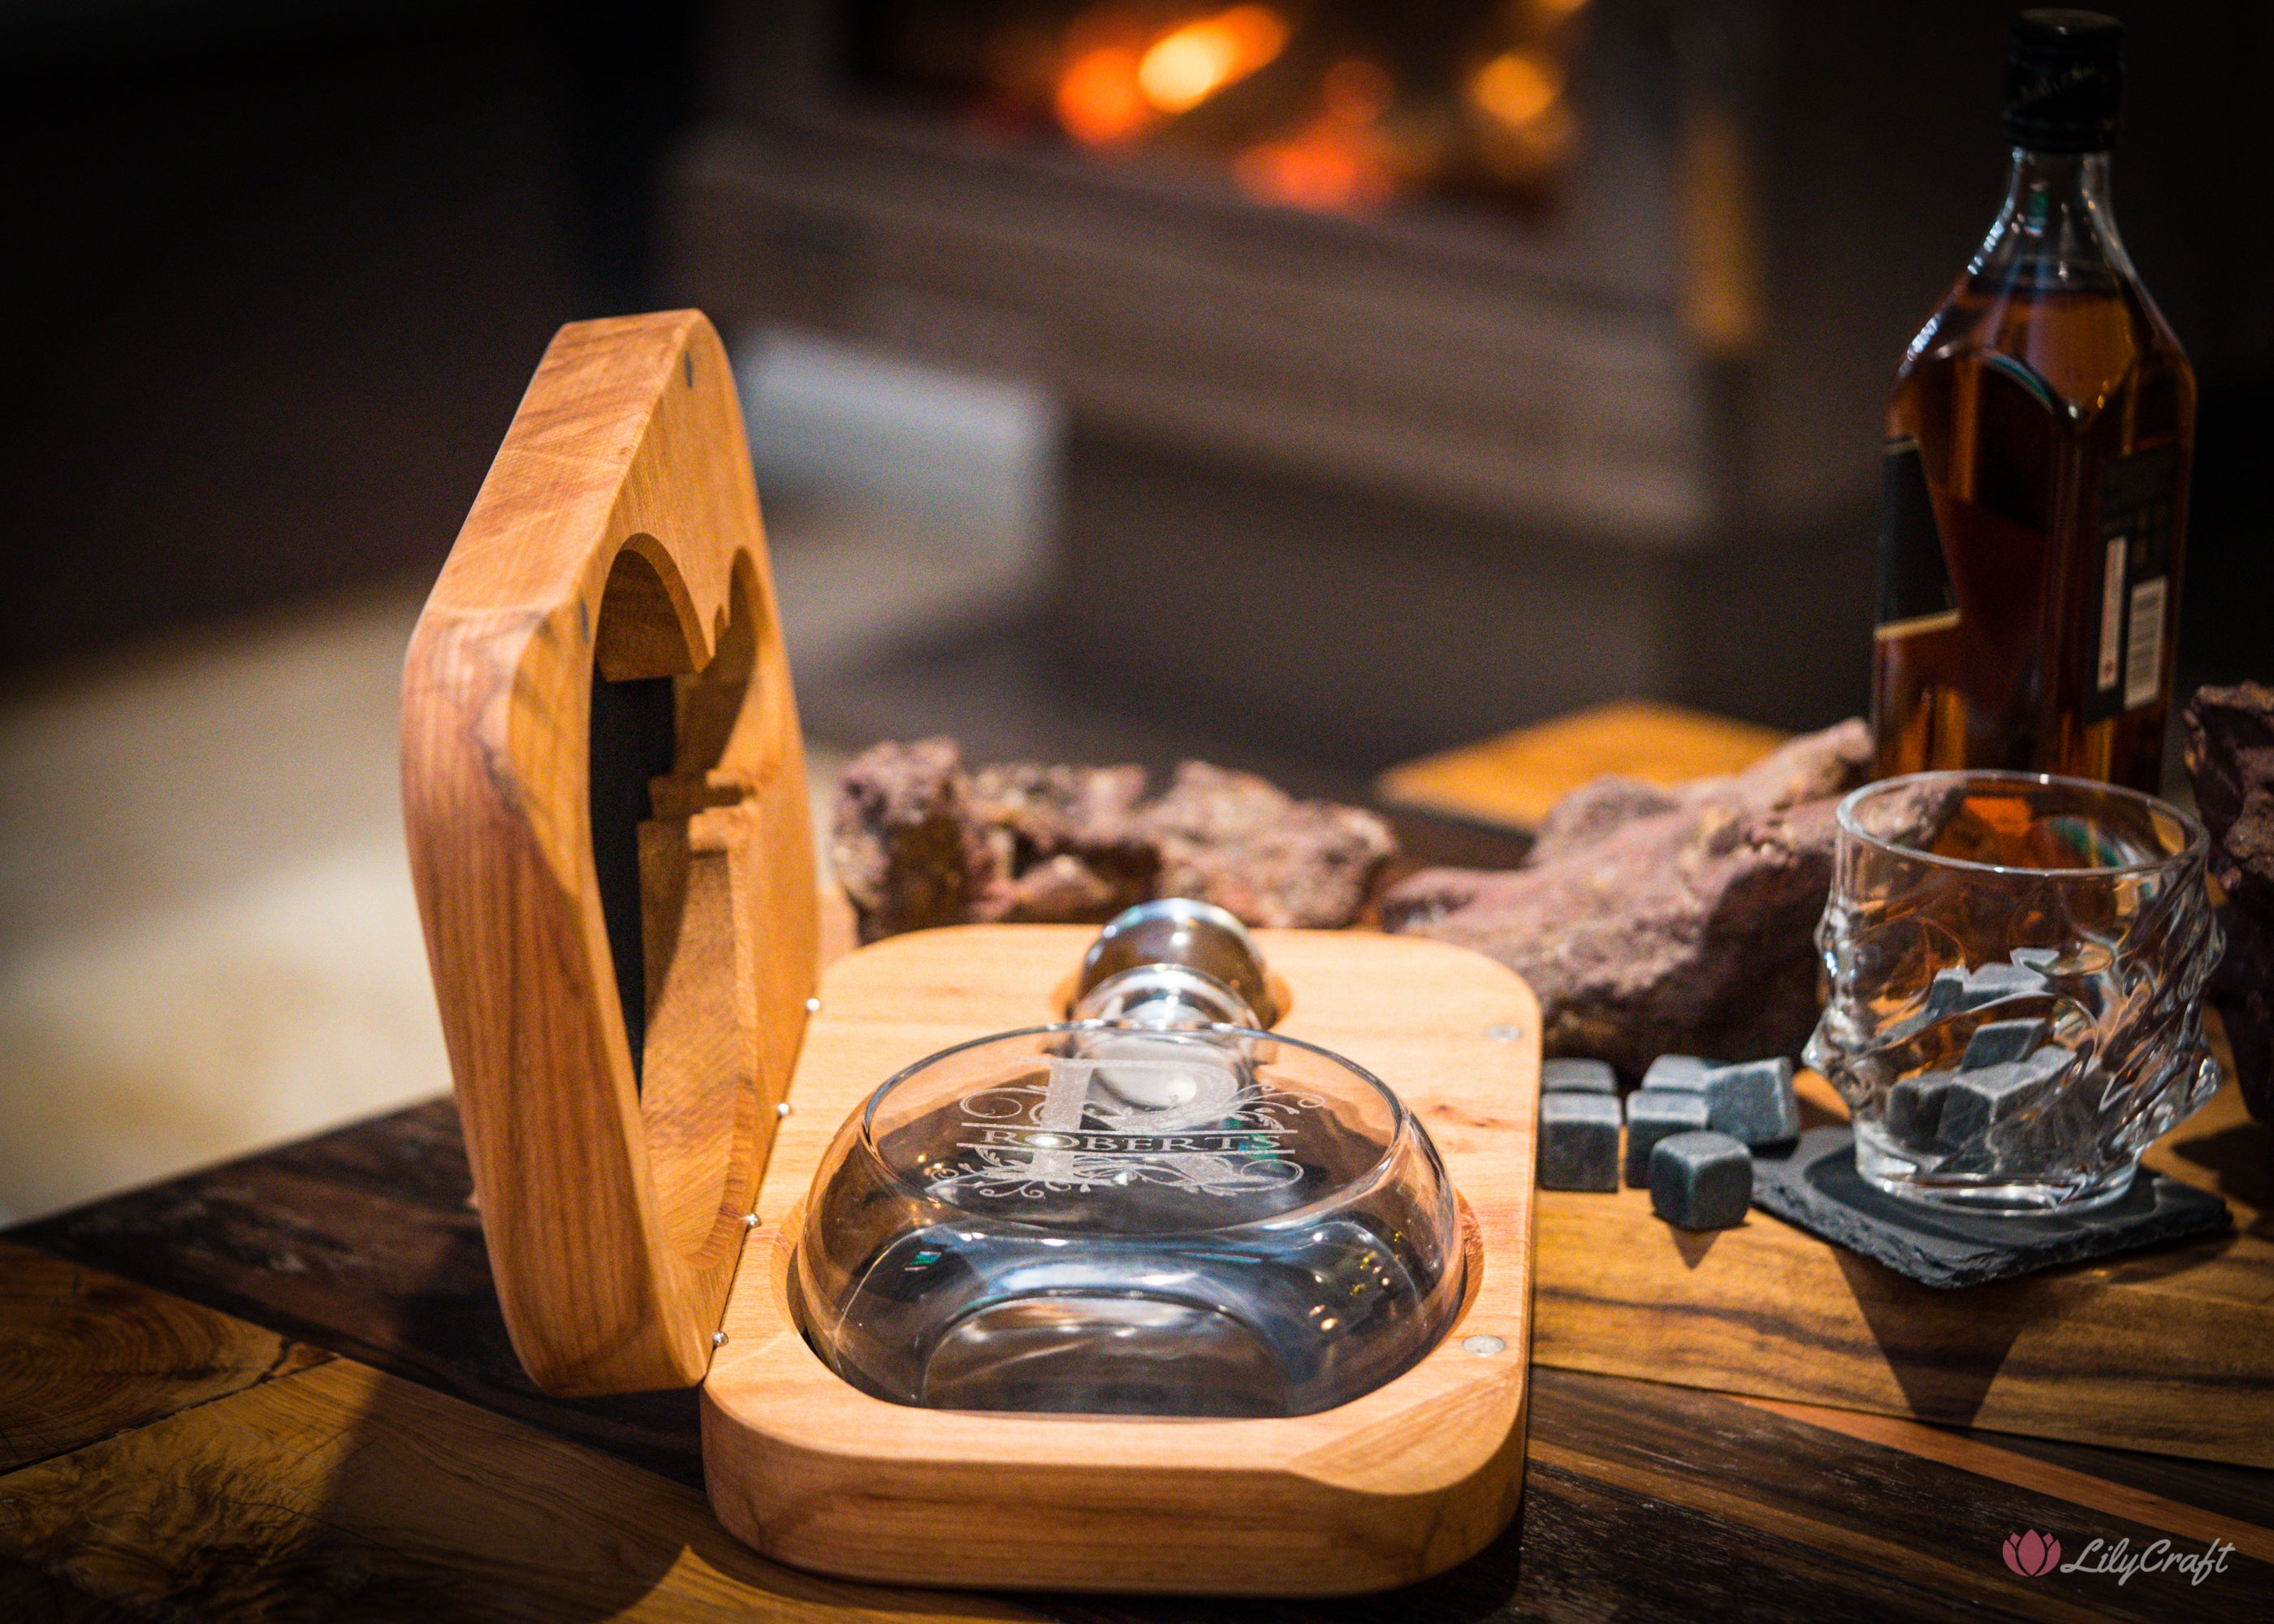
621 985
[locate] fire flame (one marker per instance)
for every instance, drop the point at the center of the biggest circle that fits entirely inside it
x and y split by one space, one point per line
1516 87
1187 66
1097 100
1338 161
1523 127
1119 74
1116 85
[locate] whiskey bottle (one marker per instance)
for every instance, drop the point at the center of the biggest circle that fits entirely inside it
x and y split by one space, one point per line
2039 440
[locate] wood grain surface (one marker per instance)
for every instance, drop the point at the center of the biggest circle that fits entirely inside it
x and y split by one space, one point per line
2169 1349
617 1131
366 1243
341 1491
1513 779
1399 1483
1642 1500
27 1593
1978 1454
85 1354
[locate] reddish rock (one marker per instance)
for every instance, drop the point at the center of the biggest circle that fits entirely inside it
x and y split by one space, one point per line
1242 843
917 842
1685 928
902 841
1593 810
1057 891
2231 760
1813 767
1061 808
1065 844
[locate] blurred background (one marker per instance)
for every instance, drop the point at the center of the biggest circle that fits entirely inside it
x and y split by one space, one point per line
1305 385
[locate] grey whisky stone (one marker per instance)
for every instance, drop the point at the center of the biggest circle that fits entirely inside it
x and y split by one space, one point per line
1700 1181
1578 1141
1577 1077
1993 982
1753 1103
1914 1109
1652 1115
1945 992
1686 1073
2000 1040
1975 1102
1943 995
1954 992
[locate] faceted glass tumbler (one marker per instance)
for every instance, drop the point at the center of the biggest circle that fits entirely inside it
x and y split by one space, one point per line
2017 966
1107 1218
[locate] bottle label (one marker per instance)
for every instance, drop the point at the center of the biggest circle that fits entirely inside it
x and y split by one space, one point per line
1196 1123
2139 497
1915 589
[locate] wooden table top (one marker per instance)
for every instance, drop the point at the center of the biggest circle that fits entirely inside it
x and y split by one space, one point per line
1511 781
282 1388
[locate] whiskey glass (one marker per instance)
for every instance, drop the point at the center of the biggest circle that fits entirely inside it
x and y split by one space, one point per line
2016 965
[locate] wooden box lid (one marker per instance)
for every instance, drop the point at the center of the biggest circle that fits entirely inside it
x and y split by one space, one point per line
604 795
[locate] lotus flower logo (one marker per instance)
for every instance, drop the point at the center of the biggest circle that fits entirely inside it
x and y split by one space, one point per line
2031 1553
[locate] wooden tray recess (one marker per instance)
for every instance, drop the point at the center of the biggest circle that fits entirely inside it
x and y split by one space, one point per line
608 828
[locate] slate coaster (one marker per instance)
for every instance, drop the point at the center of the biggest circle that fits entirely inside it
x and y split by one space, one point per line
1817 1186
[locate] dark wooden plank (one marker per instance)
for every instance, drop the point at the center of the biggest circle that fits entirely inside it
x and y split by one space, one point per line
2240 1491
1639 1498
1643 1501
26 1593
2168 1349
341 1491
1923 1522
85 1354
1588 1549
2120 1483
363 1241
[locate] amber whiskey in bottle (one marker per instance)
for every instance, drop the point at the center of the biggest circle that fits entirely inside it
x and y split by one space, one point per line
2039 440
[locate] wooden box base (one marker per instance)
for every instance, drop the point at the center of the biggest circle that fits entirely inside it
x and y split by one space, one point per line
1385 1490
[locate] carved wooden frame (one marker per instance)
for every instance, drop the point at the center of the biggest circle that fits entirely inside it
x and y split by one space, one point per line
617 533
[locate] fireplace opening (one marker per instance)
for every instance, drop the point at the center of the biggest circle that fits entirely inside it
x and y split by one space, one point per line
1355 108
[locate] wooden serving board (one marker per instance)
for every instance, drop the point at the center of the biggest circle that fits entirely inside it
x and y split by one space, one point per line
1510 781
1395 1485
2169 1349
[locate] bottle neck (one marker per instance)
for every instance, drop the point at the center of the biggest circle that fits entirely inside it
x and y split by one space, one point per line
2057 227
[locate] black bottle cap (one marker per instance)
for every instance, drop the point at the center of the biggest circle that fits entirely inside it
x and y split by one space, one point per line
2063 81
